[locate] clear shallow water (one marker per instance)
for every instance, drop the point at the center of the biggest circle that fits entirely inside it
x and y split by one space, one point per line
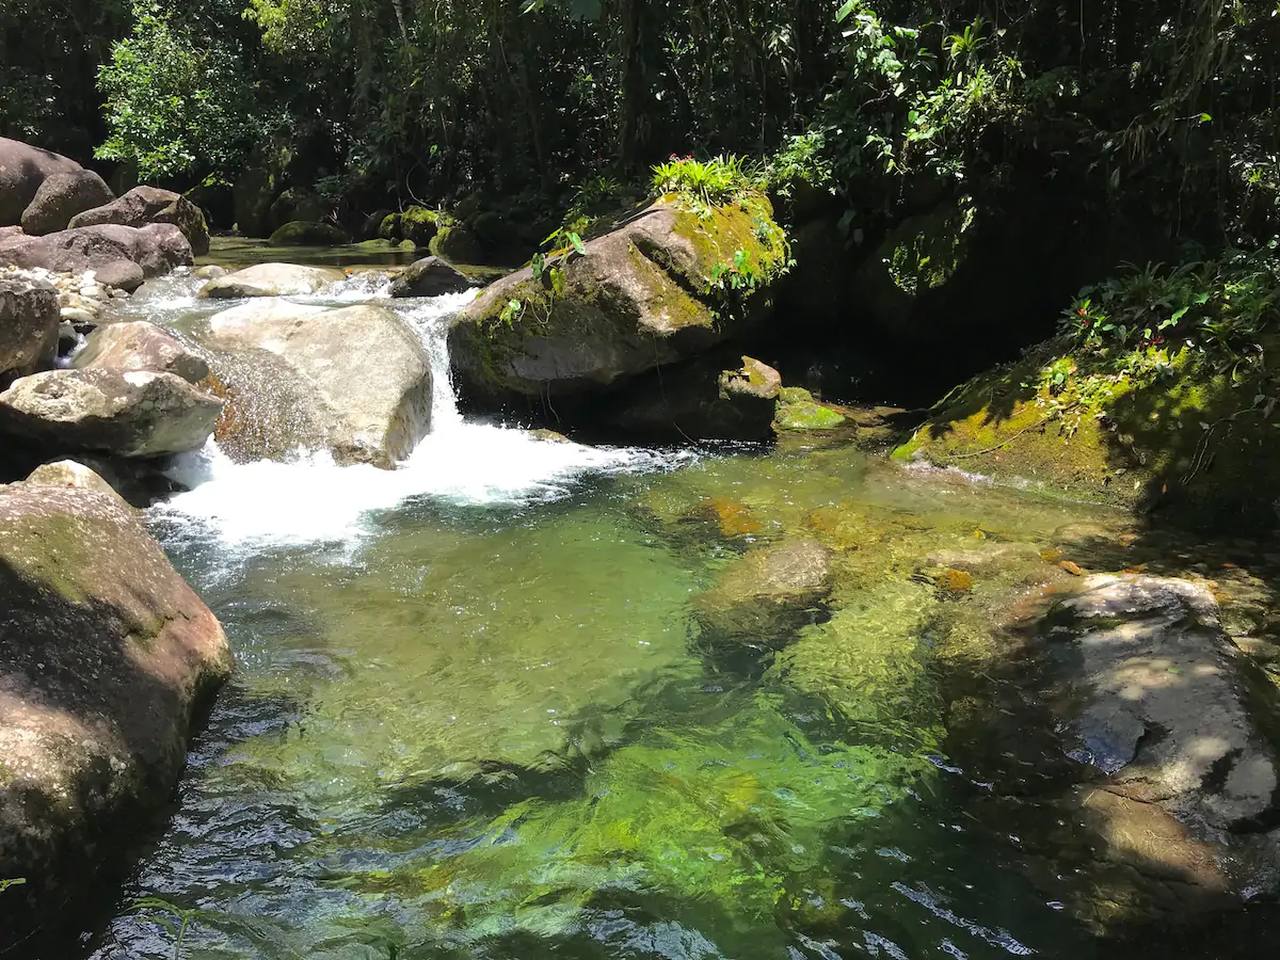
473 715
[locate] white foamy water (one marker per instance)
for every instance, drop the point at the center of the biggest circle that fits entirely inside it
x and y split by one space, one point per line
312 499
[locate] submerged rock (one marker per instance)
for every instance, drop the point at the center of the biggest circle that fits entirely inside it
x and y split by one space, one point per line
106 659
60 198
29 320
355 381
429 277
641 296
761 600
135 414
270 280
139 345
1165 711
143 205
1170 808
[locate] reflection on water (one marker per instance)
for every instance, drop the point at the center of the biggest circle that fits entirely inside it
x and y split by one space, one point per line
473 718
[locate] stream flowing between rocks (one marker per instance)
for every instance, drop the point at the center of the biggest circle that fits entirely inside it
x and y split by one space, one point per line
476 714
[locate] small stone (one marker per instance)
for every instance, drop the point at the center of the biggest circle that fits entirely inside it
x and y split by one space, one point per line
1072 568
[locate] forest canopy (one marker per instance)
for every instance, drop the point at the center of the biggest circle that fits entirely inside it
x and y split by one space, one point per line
1164 107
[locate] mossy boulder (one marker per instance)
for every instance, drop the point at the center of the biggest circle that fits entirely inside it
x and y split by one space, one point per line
456 242
797 410
107 658
1149 430
304 233
650 293
415 224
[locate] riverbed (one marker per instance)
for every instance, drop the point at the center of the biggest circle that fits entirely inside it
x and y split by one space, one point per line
474 714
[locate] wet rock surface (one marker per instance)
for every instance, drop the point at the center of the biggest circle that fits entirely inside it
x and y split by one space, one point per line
134 414
106 658
761 600
429 277
354 380
270 280
138 345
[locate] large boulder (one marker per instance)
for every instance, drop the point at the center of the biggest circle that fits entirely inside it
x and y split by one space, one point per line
60 198
156 247
29 317
74 475
139 345
761 600
135 414
1165 793
270 280
695 400
659 289
308 233
23 168
107 661
1164 711
355 381
144 205
118 256
429 277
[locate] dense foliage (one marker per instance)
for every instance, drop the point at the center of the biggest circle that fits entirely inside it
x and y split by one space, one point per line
1161 109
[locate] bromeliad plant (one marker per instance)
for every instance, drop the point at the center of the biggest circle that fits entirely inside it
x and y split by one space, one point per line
1222 308
704 184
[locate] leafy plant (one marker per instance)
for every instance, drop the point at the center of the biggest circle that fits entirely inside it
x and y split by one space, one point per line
704 183
15 882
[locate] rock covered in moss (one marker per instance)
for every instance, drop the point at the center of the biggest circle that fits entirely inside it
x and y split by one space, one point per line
1186 440
761 600
307 233
414 224
355 381
642 296
270 280
107 658
139 345
134 414
797 410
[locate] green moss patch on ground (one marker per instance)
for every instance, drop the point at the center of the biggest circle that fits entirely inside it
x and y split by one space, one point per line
1149 429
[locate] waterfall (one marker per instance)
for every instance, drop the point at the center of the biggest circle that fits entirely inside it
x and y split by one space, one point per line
309 498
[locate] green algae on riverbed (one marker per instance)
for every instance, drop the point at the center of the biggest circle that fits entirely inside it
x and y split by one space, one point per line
490 732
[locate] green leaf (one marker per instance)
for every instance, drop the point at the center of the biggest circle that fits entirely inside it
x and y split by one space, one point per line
846 8
578 245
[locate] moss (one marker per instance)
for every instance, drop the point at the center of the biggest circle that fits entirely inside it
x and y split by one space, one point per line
1145 430
794 395
456 242
806 415
303 233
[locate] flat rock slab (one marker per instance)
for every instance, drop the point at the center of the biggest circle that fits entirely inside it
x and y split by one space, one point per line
135 414
1164 710
271 280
